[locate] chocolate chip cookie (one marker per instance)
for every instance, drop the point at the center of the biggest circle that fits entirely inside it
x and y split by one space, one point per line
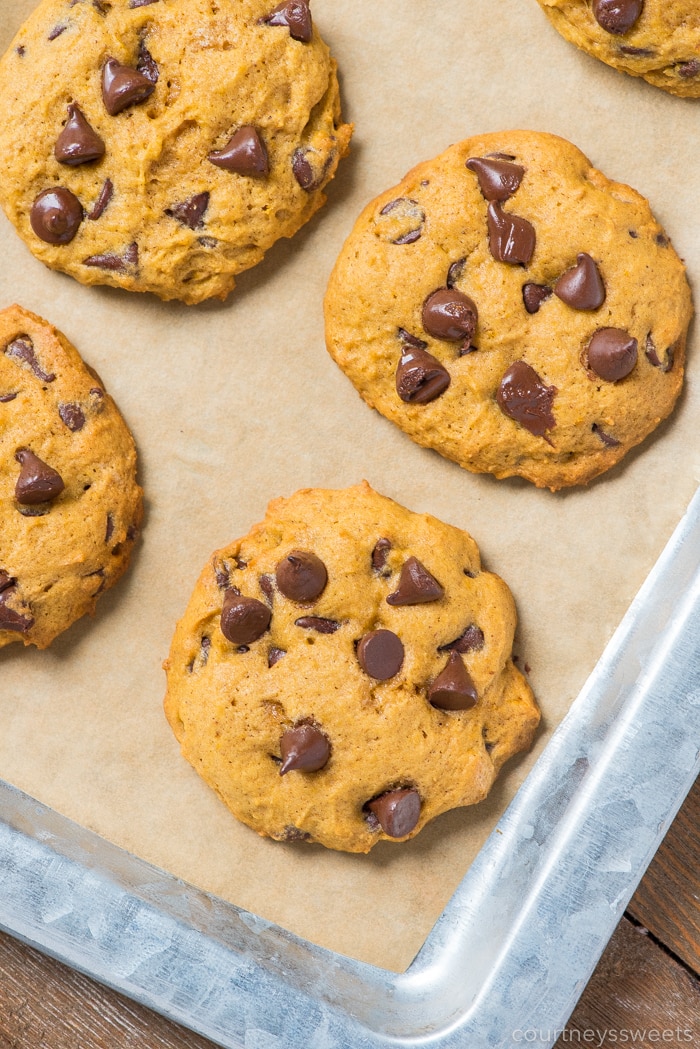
70 507
658 40
343 673
509 306
165 145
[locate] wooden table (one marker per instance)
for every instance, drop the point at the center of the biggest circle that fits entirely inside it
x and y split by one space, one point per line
644 993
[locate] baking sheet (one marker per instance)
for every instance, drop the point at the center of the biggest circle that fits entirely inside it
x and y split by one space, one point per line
232 404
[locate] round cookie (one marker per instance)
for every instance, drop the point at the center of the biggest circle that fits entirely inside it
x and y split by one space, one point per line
509 306
658 40
343 673
165 145
70 507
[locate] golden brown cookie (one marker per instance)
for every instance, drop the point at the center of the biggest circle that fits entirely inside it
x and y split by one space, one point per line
70 507
509 306
343 673
165 145
658 40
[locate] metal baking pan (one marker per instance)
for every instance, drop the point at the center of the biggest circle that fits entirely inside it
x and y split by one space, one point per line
517 942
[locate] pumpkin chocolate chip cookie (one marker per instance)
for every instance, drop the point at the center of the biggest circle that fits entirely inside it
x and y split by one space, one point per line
165 146
343 673
658 40
70 507
509 306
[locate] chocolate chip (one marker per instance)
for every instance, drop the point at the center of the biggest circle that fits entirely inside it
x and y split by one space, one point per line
652 356
56 215
102 201
581 287
403 219
611 354
6 580
511 238
133 4
109 530
534 295
318 623
274 655
688 69
606 438
453 688
420 378
397 811
304 748
294 14
449 314
268 588
380 554
243 619
498 179
22 349
637 52
523 397
617 16
146 64
291 833
123 86
455 272
303 171
380 654
410 340
190 212
115 263
56 31
72 415
416 585
37 482
11 618
662 240
21 50
78 142
470 640
301 576
244 153
7 397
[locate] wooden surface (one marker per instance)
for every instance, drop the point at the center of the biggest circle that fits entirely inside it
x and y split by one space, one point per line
645 991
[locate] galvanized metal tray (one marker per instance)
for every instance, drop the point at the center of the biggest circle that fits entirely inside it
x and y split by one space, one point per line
517 942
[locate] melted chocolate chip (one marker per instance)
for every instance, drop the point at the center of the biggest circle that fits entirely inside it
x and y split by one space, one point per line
617 16
380 554
449 314
498 179
304 748
380 654
244 153
652 356
78 142
72 415
318 623
523 397
243 619
303 171
511 238
455 272
6 580
56 215
22 350
37 482
611 354
102 201
416 585
294 14
11 618
420 378
190 212
453 688
470 640
534 295
274 655
301 576
606 438
581 287
123 86
397 811
147 65
404 218
115 263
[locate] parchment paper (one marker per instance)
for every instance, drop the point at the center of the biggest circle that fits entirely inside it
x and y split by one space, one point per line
234 404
